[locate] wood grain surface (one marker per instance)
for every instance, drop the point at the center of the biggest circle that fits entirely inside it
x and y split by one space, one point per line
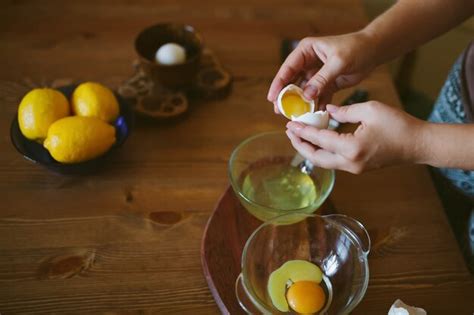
127 239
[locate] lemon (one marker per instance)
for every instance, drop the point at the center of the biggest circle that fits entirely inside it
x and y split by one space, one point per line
95 100
38 109
76 139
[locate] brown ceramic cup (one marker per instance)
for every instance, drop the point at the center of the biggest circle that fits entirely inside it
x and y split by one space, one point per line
153 37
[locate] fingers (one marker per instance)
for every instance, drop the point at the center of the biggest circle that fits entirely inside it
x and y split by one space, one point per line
310 73
318 157
288 71
351 113
306 149
328 140
299 60
324 78
284 76
345 81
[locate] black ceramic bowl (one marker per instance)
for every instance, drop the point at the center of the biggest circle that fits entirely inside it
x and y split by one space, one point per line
36 153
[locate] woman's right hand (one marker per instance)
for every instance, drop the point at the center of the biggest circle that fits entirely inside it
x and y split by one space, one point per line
328 64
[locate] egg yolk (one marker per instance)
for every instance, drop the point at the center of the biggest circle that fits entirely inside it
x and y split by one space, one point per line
294 105
306 297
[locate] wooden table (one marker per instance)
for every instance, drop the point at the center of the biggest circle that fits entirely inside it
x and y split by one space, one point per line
128 237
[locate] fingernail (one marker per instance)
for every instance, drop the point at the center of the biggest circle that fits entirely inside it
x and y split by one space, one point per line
310 92
294 126
331 108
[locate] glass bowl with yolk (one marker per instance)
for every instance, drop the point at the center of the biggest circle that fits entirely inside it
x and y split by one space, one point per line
305 263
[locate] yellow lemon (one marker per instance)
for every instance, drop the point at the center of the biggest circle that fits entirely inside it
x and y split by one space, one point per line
38 109
95 100
77 139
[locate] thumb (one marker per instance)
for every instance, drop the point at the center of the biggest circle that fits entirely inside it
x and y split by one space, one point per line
347 114
323 78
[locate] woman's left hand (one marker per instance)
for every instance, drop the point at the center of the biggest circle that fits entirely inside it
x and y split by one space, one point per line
385 136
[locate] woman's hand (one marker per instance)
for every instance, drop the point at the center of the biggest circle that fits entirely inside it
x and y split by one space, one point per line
335 62
385 136
327 63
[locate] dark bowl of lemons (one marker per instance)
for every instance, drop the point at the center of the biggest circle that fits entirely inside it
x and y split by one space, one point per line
73 129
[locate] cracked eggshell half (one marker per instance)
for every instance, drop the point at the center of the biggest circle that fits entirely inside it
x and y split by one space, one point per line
319 119
290 90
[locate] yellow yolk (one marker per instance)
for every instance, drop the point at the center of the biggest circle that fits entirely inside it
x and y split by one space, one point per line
306 297
294 105
296 271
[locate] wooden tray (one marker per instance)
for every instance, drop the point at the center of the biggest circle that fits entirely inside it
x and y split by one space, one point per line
226 232
151 98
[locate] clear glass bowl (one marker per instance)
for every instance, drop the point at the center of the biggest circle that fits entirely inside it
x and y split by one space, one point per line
264 149
336 243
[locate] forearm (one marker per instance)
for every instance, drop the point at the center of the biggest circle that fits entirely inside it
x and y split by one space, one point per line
446 145
410 23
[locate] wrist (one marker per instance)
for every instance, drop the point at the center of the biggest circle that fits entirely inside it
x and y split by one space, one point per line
422 143
372 44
